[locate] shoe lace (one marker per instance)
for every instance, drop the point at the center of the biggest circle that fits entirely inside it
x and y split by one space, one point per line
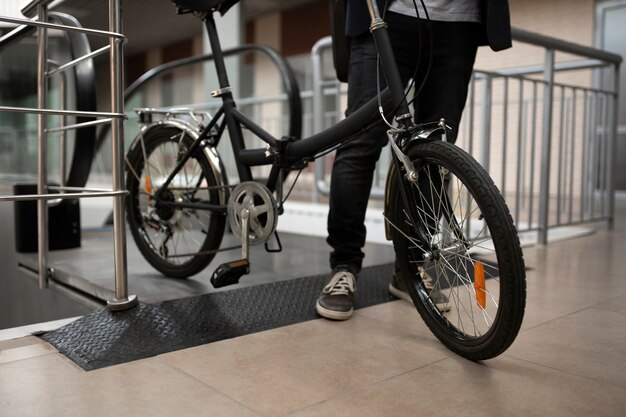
342 283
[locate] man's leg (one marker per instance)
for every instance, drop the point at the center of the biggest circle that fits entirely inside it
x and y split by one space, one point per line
350 186
445 92
355 161
443 95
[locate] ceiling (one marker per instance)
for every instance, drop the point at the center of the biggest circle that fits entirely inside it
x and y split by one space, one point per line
147 23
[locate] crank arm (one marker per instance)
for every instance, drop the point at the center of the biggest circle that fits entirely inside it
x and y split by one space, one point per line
229 273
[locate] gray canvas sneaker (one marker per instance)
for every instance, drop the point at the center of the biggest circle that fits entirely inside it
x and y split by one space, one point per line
398 289
335 301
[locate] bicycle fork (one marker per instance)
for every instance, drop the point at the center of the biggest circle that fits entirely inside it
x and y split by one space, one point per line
410 177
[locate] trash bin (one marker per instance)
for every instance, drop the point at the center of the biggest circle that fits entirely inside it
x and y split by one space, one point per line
63 222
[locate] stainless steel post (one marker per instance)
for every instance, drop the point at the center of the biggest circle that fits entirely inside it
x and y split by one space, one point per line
546 145
505 135
485 140
42 148
122 300
63 133
612 146
520 138
318 121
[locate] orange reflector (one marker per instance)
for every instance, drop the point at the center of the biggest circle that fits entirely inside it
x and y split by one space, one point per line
148 185
479 285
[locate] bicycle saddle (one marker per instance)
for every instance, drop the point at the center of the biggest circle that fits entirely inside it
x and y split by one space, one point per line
221 6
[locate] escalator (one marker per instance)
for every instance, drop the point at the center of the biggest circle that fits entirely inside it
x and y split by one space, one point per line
69 165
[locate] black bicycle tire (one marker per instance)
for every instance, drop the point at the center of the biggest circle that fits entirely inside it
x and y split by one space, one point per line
215 230
510 260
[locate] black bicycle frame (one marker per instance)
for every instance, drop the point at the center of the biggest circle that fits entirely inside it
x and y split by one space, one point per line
283 154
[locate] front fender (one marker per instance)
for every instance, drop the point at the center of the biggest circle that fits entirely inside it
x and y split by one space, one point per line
426 132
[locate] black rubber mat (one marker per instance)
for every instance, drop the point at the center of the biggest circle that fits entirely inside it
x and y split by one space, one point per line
103 338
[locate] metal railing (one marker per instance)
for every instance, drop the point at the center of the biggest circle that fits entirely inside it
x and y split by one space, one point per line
556 141
115 117
287 97
547 145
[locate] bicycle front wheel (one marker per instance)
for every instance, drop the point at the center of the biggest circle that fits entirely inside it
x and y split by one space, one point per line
178 241
457 251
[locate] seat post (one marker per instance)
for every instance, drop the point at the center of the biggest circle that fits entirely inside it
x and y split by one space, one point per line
216 50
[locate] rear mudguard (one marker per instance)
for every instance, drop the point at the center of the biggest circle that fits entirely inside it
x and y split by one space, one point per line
215 161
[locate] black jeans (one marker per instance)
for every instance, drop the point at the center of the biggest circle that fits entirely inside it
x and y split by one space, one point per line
443 95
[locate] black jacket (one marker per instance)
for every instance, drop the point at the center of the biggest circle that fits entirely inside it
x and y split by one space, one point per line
495 16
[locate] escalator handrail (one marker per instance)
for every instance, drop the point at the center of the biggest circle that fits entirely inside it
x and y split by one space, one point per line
288 78
85 89
86 100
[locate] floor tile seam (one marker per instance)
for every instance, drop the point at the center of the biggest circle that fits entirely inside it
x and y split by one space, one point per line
55 353
605 309
365 386
393 325
556 318
596 306
553 368
203 383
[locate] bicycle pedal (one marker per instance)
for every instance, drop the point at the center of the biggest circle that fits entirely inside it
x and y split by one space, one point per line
229 273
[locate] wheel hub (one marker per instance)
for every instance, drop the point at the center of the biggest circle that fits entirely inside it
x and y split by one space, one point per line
165 212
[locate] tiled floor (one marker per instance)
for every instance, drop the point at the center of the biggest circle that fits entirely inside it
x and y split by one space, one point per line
569 360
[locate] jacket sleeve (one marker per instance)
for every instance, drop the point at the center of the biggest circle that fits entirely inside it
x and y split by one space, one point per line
497 23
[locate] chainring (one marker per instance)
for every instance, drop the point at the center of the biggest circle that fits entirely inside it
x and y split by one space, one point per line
262 209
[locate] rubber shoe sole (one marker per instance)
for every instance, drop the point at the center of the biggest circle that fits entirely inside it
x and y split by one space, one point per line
399 293
333 314
442 307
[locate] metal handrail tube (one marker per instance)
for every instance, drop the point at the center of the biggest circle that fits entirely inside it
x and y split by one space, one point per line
63 124
15 34
30 9
550 42
61 112
483 74
42 148
63 196
318 121
80 189
612 153
559 66
122 300
28 22
241 102
77 61
79 125
598 134
289 81
546 148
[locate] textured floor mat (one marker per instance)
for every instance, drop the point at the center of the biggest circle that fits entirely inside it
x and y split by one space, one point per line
103 338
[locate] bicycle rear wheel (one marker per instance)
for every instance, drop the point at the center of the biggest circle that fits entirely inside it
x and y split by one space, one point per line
178 242
456 226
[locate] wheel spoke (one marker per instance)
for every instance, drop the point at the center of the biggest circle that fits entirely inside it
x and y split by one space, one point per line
447 203
177 241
